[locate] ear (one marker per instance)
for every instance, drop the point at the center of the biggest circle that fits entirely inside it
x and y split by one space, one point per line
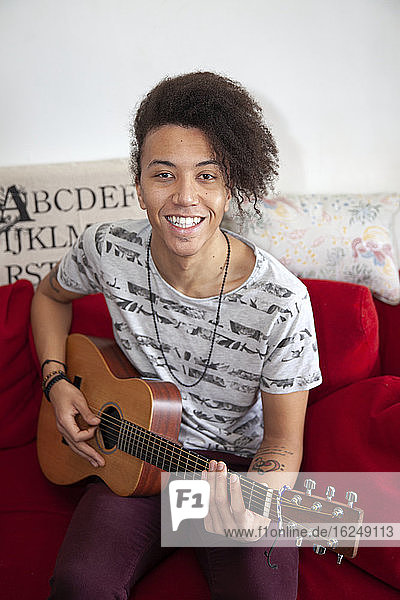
139 193
228 200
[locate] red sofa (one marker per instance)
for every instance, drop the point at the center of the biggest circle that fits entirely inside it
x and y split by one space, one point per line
352 424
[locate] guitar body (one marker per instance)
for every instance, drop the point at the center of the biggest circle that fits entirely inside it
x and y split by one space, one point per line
113 390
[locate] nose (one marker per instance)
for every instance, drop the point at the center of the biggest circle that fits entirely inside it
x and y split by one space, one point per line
185 192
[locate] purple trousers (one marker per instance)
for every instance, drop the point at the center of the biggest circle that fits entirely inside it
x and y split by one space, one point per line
113 541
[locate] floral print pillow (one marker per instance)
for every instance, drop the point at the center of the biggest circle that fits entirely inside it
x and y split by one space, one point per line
337 237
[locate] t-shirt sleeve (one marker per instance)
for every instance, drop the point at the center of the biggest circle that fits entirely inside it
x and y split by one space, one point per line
80 269
292 362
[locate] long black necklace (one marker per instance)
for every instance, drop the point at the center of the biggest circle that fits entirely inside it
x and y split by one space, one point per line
153 312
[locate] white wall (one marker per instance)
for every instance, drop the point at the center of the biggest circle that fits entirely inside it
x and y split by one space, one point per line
326 73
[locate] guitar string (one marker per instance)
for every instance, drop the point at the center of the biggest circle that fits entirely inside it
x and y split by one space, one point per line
254 493
253 503
251 484
274 515
143 432
163 445
261 506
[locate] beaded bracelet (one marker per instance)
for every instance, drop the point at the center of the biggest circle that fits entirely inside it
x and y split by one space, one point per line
52 382
48 376
50 360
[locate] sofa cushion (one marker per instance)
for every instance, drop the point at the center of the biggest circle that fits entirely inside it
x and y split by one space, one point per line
337 237
28 548
19 384
321 577
346 324
90 316
34 516
356 429
28 490
389 339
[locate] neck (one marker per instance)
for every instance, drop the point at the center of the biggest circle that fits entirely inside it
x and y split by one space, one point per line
198 276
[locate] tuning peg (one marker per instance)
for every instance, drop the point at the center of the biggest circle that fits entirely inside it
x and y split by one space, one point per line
296 499
318 549
330 492
309 484
299 541
339 559
337 512
351 497
291 525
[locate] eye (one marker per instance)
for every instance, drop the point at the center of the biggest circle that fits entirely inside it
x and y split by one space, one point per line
207 177
163 175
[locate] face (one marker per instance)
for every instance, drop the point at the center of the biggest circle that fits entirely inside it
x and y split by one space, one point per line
183 190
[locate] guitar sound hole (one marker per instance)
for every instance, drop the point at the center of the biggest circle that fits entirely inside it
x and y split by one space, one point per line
110 426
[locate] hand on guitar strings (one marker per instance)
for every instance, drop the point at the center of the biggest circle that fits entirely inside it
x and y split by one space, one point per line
225 513
70 407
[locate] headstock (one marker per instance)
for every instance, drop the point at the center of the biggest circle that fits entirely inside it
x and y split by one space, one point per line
320 520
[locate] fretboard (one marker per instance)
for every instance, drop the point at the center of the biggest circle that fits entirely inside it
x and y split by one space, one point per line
170 456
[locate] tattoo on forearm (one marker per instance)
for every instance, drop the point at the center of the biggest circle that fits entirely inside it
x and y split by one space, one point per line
263 464
52 278
281 450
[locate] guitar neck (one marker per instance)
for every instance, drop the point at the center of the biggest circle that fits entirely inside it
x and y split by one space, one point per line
170 456
291 508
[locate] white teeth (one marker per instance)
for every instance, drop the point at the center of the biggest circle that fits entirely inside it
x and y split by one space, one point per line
184 222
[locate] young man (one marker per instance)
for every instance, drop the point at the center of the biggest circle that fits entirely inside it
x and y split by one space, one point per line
200 307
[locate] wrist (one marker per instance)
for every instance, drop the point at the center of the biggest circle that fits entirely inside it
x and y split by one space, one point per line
52 382
52 364
49 376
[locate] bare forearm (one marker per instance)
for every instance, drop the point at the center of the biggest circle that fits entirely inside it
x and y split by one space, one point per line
277 463
51 321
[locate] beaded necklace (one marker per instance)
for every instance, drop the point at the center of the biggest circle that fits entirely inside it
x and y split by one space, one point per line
154 314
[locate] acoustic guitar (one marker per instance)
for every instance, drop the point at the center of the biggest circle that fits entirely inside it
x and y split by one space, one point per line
138 436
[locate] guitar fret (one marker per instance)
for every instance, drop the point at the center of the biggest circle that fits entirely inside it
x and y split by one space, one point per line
158 455
123 435
171 461
132 439
251 495
268 501
142 445
196 465
150 459
128 436
119 435
165 455
163 463
145 447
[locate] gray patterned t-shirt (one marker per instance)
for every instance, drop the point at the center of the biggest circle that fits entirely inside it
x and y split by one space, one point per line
265 339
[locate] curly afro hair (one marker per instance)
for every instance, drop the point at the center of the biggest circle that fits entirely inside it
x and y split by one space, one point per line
230 118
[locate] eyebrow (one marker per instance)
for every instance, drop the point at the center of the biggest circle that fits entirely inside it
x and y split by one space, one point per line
168 163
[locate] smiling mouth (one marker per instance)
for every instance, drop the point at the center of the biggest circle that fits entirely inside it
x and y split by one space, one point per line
184 222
